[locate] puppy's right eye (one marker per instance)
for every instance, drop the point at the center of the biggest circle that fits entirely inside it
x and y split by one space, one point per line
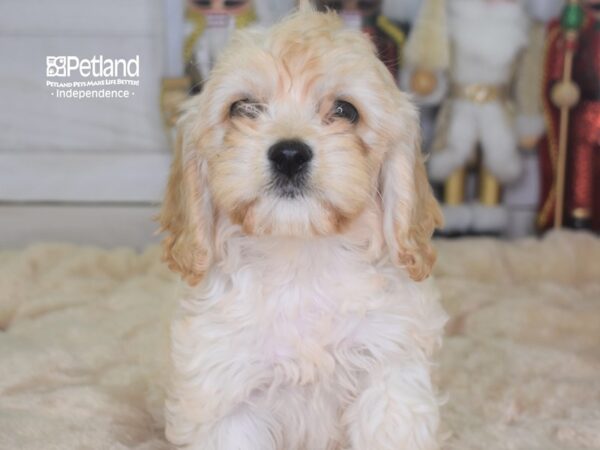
246 107
345 110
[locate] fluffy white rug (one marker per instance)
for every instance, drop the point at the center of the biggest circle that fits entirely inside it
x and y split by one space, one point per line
82 334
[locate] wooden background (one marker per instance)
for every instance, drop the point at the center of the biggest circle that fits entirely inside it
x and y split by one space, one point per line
86 171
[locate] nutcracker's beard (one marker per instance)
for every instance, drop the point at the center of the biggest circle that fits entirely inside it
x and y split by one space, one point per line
544 10
492 32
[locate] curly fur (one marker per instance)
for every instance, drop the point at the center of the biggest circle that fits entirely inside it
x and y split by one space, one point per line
306 325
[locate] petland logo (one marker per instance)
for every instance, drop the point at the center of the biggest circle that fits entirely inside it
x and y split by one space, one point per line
97 66
98 73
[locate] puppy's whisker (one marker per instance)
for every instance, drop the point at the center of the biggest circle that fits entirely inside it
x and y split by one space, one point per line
378 195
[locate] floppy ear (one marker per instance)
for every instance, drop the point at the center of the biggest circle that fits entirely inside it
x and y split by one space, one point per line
410 211
186 212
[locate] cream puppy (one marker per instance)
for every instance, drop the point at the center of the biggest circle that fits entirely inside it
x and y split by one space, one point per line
299 212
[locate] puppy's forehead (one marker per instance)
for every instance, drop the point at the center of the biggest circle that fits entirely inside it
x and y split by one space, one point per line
309 53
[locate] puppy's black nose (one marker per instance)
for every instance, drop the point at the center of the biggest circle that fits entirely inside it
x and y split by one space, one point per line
290 157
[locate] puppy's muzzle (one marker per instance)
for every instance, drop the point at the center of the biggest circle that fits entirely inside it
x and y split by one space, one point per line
290 160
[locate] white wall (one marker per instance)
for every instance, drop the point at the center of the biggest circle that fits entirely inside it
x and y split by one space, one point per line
66 163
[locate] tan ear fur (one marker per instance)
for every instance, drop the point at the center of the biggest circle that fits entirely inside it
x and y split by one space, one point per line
186 216
411 212
418 254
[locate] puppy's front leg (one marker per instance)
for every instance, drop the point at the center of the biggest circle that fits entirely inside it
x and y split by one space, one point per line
396 411
244 427
215 397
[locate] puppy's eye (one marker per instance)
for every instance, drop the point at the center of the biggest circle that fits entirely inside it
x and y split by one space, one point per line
246 107
345 110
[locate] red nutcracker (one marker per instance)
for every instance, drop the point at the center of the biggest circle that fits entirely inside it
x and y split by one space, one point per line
570 151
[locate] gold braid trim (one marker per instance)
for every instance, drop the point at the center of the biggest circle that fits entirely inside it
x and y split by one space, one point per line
545 212
552 137
479 93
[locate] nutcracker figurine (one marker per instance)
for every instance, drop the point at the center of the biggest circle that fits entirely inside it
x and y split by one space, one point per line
366 15
425 57
472 48
402 12
570 151
521 198
270 11
530 122
211 24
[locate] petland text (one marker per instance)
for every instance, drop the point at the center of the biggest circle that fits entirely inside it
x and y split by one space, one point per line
97 66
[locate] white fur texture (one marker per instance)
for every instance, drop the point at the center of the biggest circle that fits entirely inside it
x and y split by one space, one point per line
309 326
83 345
276 351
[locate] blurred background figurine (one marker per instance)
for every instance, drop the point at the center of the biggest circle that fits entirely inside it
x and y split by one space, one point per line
270 11
430 89
573 43
485 39
402 12
211 23
425 58
521 198
530 121
366 15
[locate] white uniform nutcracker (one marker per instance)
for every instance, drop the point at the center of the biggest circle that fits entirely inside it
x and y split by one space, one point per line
477 43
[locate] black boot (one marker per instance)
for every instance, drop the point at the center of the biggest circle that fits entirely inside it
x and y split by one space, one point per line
579 223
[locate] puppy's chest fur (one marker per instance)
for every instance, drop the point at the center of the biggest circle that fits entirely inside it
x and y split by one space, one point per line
305 314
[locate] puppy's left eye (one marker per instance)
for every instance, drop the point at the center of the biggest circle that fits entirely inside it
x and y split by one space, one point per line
246 107
345 110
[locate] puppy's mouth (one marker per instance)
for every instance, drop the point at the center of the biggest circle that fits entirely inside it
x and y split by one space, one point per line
291 188
290 162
